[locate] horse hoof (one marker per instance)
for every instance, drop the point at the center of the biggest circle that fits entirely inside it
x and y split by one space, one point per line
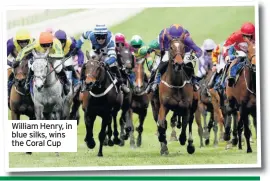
182 140
207 142
164 149
126 137
206 135
122 143
190 149
110 143
91 144
139 141
116 141
234 141
29 153
249 150
100 155
226 137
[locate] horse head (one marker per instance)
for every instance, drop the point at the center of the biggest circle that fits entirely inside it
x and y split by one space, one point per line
139 73
20 72
40 67
94 70
125 58
251 52
176 52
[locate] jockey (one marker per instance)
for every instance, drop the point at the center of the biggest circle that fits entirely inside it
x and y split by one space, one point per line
49 30
14 46
120 41
218 66
237 42
205 63
139 51
102 41
175 31
45 42
69 45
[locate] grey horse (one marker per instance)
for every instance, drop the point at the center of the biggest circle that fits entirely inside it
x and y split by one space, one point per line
48 96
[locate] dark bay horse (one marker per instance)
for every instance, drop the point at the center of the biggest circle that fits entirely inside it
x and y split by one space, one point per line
101 99
20 101
242 94
140 100
176 94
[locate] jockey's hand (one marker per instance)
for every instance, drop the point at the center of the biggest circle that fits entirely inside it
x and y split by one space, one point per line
15 64
75 51
214 68
103 64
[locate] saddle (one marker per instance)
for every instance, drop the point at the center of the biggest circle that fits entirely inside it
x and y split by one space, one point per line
242 64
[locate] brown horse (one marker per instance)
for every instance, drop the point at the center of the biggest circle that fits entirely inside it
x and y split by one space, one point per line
176 94
102 98
205 105
20 101
140 100
242 94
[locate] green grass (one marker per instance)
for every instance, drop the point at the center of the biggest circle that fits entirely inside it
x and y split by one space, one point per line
216 23
37 18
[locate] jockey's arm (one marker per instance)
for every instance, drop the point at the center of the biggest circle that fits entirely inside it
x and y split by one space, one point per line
231 51
58 50
215 55
111 53
26 50
84 36
10 47
197 50
79 52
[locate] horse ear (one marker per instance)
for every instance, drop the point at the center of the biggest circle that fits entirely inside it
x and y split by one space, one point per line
46 53
34 53
87 55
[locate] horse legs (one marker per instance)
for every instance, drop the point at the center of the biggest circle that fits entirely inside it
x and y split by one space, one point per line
122 131
74 114
105 120
162 126
39 111
215 128
235 130
89 124
130 127
190 146
183 136
244 117
240 130
15 116
139 129
199 124
109 133
116 140
173 125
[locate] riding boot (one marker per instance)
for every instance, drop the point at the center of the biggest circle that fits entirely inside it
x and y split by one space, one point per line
28 79
223 75
123 86
212 80
82 78
62 75
152 78
195 81
75 79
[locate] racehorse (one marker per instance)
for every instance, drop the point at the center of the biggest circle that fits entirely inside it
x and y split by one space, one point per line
140 100
205 105
48 96
102 98
20 101
245 99
176 94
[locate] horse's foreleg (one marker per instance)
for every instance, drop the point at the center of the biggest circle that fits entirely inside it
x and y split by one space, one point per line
162 126
190 146
74 114
199 124
109 132
116 140
39 112
15 116
105 121
89 124
215 128
235 129
139 129
244 117
130 127
173 125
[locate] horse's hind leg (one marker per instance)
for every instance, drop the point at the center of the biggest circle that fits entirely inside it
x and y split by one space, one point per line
240 130
199 124
139 129
173 125
215 128
190 146
105 121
